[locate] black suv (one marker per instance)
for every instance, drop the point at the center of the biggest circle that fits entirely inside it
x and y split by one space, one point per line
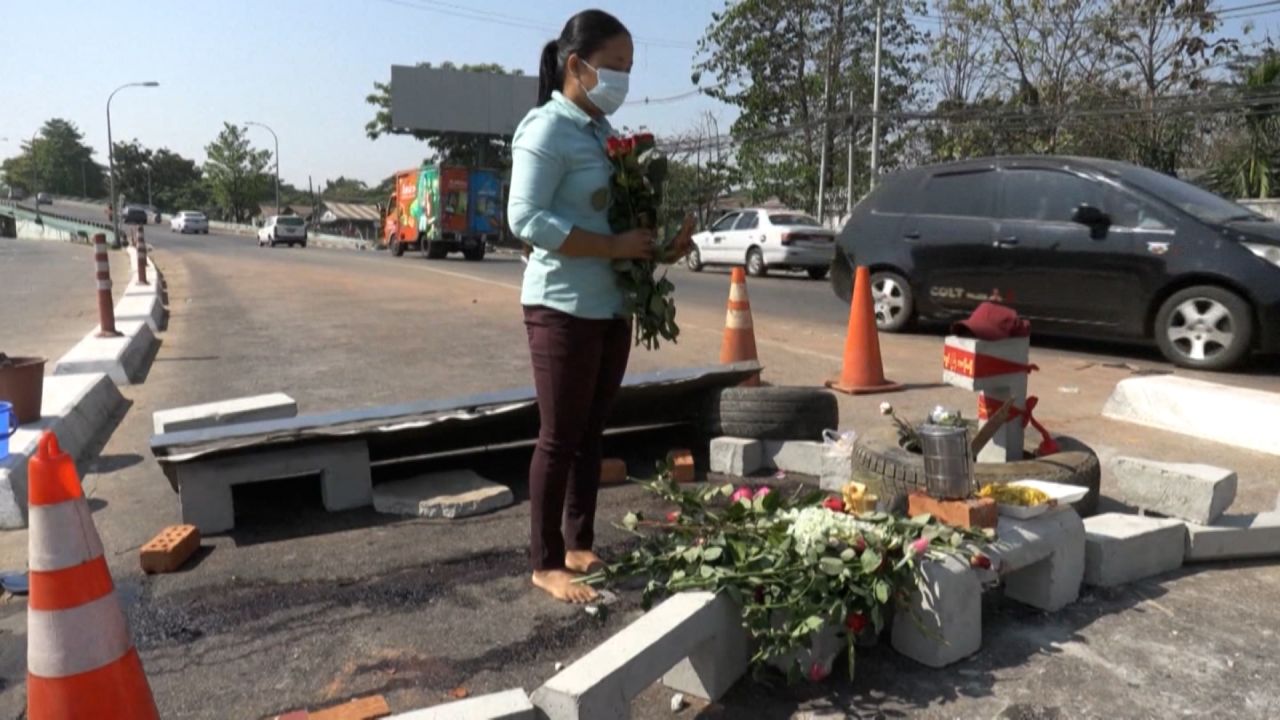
1081 246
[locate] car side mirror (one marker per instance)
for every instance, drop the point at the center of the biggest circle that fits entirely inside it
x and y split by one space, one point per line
1091 216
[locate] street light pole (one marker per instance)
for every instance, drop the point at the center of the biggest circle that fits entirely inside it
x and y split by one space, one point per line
277 139
35 178
111 160
148 169
875 105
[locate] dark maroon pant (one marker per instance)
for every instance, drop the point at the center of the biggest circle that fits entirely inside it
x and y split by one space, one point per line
578 366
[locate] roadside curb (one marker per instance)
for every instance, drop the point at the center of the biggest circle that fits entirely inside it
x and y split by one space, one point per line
1229 415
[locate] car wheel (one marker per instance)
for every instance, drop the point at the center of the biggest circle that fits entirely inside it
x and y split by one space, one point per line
475 255
436 250
755 263
891 296
818 273
397 248
1204 327
694 260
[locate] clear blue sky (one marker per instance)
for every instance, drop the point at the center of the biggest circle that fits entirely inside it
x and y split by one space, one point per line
303 67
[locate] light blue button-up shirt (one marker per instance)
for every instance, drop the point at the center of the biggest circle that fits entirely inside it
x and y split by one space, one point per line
560 180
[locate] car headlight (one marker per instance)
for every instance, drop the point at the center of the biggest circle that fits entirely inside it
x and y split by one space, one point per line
1270 253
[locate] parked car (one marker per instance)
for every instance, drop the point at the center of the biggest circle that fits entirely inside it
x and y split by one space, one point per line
153 214
44 199
1080 246
17 193
134 215
189 221
283 229
764 240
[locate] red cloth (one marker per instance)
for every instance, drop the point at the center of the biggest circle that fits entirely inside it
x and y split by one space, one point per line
992 321
988 407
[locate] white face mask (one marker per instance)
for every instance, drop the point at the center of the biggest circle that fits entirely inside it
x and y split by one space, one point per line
610 90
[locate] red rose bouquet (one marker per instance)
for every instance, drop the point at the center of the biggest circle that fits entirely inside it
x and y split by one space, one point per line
639 170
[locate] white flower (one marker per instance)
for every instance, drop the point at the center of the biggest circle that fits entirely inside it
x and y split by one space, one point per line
814 528
886 408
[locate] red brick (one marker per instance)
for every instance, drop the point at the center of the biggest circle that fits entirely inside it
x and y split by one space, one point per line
169 549
612 471
970 513
365 708
681 462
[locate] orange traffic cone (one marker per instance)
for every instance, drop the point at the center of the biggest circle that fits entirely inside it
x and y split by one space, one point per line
80 660
863 371
739 341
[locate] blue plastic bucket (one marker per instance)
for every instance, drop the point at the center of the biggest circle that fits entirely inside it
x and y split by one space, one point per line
8 426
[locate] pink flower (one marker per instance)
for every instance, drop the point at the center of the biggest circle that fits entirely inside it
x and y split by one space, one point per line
920 546
859 545
763 490
834 504
673 516
742 493
818 673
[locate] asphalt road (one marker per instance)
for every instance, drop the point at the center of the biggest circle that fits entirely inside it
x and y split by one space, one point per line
301 608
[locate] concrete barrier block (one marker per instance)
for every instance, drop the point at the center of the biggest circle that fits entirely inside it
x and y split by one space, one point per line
141 308
1123 548
273 406
80 410
1235 537
121 358
942 623
736 456
1193 492
795 456
506 705
204 485
1041 559
1229 415
449 494
603 682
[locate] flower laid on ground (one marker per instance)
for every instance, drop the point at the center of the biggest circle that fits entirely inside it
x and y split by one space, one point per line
818 672
639 171
795 562
886 408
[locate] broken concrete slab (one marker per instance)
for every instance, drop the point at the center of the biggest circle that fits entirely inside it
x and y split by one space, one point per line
734 456
1229 415
1122 548
449 494
272 406
1235 537
204 487
696 639
795 456
943 622
507 705
1190 491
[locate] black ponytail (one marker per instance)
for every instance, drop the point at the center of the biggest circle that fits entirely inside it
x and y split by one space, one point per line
583 35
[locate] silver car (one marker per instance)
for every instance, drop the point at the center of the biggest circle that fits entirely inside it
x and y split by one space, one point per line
189 221
763 240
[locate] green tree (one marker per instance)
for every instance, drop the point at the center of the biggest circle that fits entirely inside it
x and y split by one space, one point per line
57 161
235 173
1249 166
447 147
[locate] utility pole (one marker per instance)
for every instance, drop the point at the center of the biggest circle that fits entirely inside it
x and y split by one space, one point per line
848 201
111 161
875 104
84 181
835 47
148 169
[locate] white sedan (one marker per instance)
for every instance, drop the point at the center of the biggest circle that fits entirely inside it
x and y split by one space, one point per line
283 229
764 240
189 221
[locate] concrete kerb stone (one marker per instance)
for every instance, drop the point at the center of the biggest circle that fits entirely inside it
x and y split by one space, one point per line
143 308
272 406
797 456
738 457
694 641
506 705
942 622
78 409
204 485
1122 548
449 494
1041 559
121 358
1229 415
1197 493
1235 537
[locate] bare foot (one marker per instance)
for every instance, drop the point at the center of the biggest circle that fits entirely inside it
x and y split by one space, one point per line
583 561
560 585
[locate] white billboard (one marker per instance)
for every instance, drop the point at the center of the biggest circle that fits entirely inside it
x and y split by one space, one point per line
458 101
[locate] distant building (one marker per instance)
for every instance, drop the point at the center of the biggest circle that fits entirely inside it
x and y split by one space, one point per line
350 219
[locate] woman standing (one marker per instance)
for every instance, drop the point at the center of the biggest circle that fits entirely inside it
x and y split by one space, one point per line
579 337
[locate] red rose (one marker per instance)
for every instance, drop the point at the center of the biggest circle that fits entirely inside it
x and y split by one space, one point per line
759 595
673 516
859 545
920 546
614 146
818 673
629 144
856 623
644 139
834 504
980 561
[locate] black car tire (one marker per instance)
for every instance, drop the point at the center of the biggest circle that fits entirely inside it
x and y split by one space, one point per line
397 248
893 473
435 250
818 273
694 260
755 263
772 413
894 304
842 278
474 255
1183 312
303 244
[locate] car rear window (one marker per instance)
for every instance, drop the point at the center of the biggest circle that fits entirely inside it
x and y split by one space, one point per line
793 219
291 221
964 194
